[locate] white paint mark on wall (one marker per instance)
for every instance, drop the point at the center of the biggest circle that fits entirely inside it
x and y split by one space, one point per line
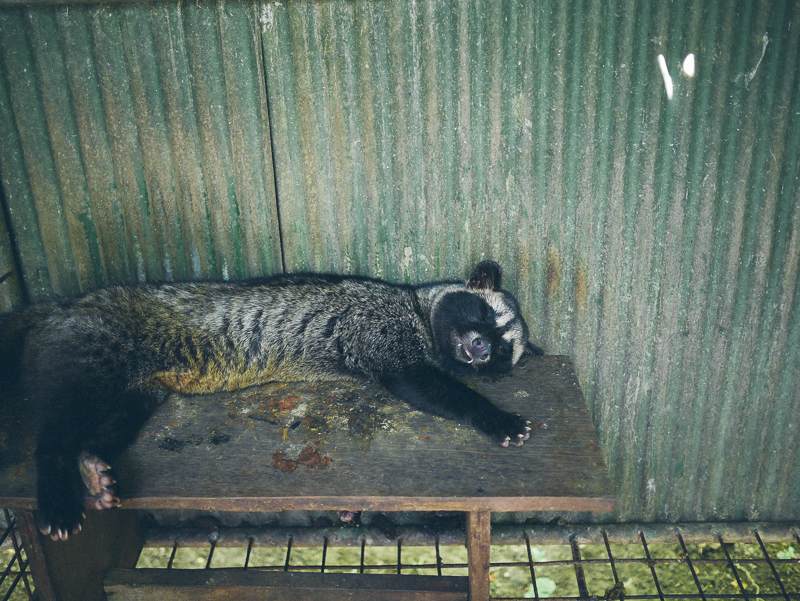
141 274
749 77
662 64
408 257
268 16
688 65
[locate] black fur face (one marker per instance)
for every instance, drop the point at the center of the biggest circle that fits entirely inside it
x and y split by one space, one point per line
468 336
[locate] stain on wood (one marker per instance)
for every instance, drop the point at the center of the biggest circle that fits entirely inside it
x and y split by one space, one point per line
344 445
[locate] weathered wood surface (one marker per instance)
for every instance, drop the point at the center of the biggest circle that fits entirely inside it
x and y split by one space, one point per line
73 570
479 547
339 445
198 585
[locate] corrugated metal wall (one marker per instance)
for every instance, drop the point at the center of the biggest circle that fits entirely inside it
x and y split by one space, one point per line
136 144
655 240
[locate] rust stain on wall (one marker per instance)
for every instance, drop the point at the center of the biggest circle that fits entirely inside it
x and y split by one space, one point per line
552 274
581 285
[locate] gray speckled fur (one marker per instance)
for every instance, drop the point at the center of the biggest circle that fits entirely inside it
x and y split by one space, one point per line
98 365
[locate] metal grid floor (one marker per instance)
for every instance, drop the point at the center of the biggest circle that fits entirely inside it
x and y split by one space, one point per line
744 553
736 553
732 563
15 581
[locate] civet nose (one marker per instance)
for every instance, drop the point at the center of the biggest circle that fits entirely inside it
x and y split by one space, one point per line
481 348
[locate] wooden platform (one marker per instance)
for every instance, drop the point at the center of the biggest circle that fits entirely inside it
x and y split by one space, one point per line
342 446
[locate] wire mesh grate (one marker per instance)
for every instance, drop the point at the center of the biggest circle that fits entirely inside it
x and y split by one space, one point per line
707 568
739 563
15 581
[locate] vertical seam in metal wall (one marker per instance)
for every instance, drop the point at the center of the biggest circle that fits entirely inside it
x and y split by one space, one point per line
16 265
14 269
272 144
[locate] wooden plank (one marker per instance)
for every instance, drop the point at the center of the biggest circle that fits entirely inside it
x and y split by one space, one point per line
345 446
76 566
251 585
73 570
479 525
37 564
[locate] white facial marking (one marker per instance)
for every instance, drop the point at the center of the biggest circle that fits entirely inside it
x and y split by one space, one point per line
503 314
518 350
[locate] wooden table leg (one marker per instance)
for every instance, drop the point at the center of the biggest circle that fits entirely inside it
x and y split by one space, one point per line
478 549
37 564
73 570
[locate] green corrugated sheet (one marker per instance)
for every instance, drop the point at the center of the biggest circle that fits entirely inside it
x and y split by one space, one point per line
136 144
655 240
